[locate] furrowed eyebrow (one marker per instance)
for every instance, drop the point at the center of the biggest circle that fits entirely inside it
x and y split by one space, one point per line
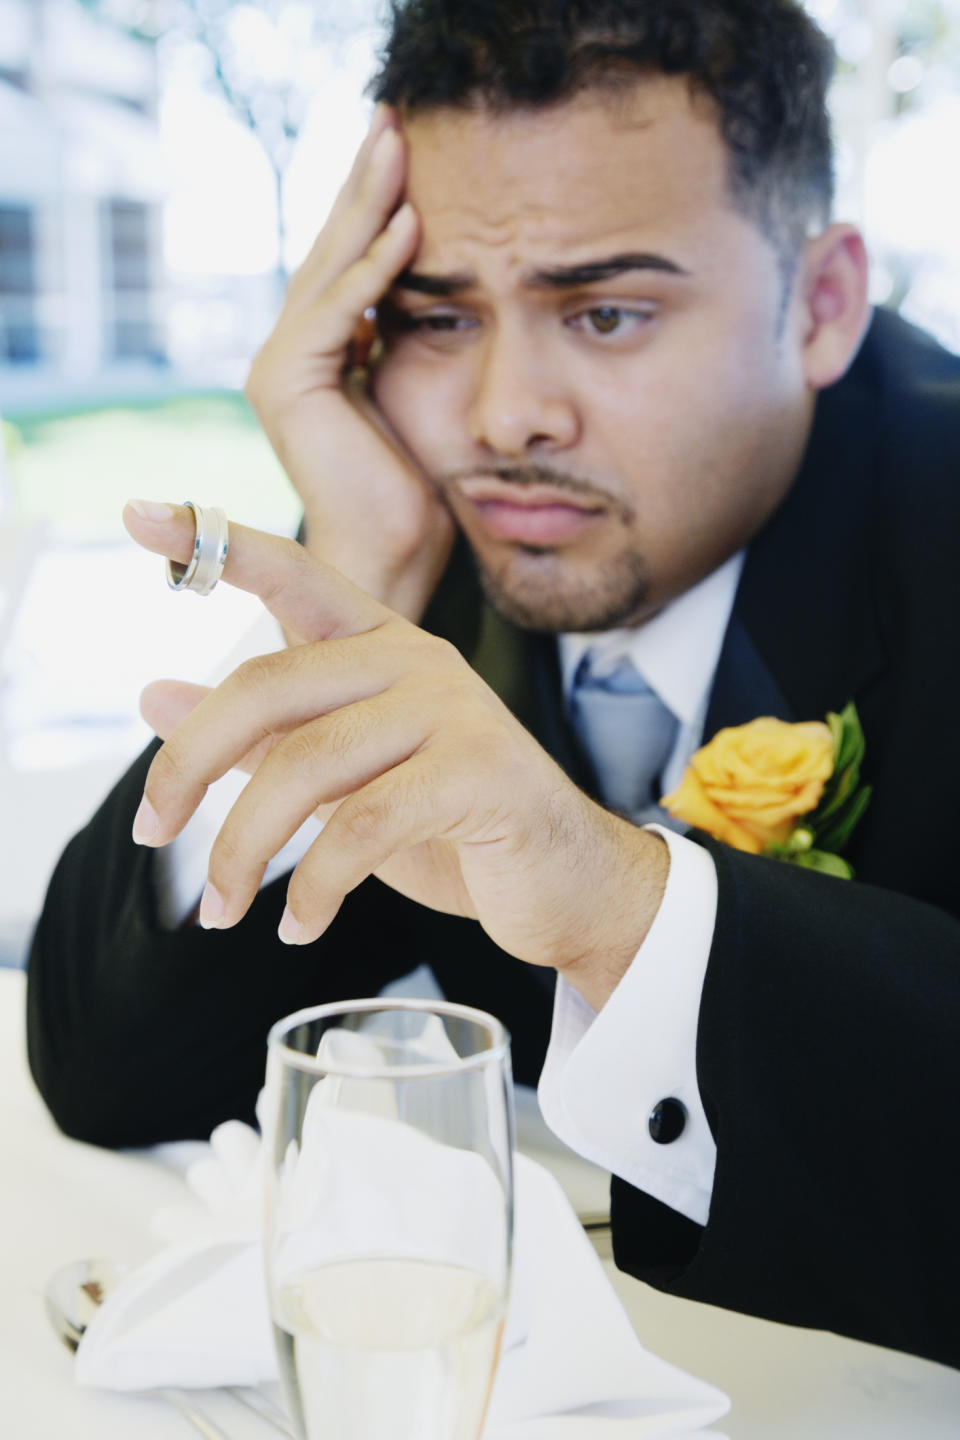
567 276
440 286
564 277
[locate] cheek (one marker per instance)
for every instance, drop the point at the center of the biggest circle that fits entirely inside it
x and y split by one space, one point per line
692 439
689 404
640 419
421 404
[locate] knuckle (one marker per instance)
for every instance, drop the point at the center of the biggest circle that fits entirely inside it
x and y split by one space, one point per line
258 674
229 856
306 893
420 791
365 276
299 562
341 734
168 768
301 751
400 638
447 654
426 652
298 569
362 819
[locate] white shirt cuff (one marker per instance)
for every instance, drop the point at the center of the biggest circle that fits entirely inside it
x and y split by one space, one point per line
605 1072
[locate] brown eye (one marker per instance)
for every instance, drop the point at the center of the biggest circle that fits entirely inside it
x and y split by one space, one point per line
605 319
614 322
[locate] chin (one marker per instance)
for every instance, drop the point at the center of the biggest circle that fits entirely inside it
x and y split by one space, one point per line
539 591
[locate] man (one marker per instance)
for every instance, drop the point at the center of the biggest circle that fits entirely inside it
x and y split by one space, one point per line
618 371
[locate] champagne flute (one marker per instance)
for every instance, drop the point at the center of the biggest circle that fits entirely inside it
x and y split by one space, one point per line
389 1213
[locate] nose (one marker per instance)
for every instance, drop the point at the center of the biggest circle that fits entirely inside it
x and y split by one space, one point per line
520 403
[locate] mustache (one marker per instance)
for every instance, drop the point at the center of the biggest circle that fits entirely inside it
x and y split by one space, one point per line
525 477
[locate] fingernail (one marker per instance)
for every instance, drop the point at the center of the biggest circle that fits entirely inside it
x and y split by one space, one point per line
151 509
211 907
290 929
146 824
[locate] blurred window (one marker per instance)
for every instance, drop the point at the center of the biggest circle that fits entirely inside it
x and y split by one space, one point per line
132 332
19 339
128 242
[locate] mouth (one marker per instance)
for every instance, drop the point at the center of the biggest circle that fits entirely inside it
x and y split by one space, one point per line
535 515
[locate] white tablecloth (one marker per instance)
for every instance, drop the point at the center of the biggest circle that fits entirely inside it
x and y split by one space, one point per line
60 1201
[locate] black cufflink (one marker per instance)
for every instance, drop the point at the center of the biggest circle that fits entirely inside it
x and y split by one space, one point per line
666 1122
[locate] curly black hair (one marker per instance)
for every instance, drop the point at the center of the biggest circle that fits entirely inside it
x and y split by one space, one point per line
763 64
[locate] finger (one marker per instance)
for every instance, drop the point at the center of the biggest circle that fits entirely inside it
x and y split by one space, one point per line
376 184
165 703
408 805
307 597
330 321
384 117
355 221
248 715
316 764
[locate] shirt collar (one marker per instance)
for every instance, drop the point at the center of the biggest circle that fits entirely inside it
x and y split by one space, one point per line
677 651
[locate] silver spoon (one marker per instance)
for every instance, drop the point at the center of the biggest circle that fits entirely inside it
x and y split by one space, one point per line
72 1298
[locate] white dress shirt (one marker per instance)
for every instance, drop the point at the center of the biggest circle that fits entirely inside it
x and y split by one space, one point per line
604 1072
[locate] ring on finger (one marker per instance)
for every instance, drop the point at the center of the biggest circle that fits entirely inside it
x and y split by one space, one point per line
211 542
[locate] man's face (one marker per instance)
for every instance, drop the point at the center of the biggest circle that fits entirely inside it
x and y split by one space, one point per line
591 355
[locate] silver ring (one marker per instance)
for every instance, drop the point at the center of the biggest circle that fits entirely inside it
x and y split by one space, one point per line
210 545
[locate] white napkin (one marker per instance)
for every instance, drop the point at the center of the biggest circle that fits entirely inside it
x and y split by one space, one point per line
572 1367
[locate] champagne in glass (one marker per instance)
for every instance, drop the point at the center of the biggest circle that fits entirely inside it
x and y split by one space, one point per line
389 1216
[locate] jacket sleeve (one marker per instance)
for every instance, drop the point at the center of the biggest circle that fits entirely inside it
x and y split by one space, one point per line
829 1065
138 1034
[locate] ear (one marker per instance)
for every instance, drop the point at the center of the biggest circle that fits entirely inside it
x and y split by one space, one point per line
833 295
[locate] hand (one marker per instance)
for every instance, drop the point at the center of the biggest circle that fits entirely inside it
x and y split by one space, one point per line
423 776
368 508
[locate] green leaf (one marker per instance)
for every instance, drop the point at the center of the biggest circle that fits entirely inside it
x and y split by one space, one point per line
840 790
837 835
836 792
852 744
825 864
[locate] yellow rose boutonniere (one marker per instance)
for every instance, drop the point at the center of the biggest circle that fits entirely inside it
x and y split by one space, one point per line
788 791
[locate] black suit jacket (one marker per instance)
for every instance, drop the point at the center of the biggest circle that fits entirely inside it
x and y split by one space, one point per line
827 1046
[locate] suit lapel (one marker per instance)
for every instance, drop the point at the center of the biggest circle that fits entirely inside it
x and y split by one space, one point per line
803 635
744 686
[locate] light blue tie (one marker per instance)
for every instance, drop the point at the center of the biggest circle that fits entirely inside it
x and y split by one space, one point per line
626 730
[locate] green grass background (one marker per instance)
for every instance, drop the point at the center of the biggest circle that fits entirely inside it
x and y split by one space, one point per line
76 469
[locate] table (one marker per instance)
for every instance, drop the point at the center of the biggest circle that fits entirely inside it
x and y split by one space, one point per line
61 1200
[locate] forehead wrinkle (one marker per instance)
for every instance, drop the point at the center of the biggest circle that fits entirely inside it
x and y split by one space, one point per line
508 239
560 187
536 264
